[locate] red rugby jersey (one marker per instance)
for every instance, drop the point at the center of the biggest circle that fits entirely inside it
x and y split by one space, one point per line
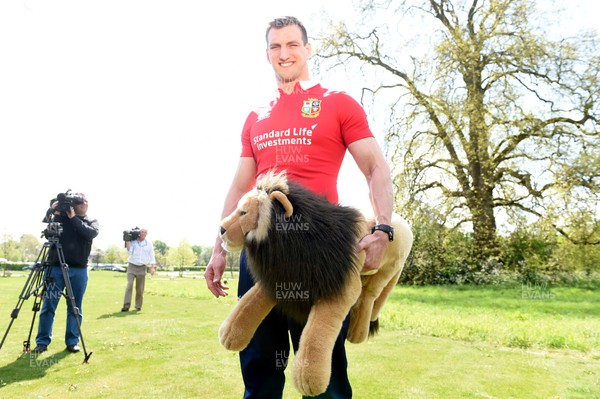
305 133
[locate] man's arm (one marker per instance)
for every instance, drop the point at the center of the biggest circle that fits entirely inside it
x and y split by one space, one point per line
370 160
242 182
88 228
152 258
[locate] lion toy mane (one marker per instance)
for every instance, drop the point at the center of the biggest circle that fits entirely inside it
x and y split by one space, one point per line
301 252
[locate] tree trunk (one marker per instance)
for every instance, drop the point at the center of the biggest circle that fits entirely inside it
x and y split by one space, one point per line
484 225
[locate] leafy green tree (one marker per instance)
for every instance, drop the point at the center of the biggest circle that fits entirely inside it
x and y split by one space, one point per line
233 262
160 252
181 256
160 247
577 257
577 199
96 256
489 114
9 249
29 247
198 253
115 254
202 254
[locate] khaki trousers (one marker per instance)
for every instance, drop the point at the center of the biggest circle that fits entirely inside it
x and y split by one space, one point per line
135 273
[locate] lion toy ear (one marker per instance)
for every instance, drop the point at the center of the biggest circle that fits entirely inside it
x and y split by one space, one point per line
283 200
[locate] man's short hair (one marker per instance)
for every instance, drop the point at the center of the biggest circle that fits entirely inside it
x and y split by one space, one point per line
281 22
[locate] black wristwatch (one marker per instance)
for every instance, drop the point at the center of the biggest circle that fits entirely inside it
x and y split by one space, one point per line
386 229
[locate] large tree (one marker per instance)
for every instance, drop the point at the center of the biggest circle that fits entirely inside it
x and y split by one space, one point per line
181 256
490 115
30 247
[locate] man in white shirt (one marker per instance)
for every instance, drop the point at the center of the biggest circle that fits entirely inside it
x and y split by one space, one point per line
141 255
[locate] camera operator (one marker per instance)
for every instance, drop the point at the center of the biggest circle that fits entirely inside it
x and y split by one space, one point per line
141 255
76 237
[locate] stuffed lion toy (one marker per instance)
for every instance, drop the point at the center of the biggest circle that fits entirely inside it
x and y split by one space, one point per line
301 252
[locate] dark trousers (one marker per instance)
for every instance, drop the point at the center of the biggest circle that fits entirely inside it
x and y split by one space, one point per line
264 360
78 276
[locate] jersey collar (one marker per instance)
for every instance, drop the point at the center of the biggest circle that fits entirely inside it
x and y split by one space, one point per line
308 84
304 85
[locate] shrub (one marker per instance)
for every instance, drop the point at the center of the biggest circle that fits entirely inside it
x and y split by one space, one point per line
528 255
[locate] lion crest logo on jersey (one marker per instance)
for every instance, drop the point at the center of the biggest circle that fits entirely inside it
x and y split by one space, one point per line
311 108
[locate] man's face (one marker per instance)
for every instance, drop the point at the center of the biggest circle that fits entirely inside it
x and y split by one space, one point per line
143 234
81 209
287 54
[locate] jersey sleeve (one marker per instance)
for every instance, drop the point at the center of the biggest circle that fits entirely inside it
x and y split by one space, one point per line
246 144
353 120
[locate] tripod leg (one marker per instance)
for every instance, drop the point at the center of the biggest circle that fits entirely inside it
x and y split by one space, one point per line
71 298
39 293
32 285
35 308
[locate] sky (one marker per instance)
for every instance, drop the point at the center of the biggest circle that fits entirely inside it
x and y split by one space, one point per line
139 104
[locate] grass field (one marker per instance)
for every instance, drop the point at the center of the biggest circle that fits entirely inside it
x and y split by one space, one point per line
435 342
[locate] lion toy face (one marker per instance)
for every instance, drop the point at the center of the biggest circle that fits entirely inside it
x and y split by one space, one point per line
242 221
252 218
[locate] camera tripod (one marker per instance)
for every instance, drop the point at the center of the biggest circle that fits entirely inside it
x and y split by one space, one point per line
37 284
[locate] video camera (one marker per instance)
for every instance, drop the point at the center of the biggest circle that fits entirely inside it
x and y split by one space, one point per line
131 234
67 200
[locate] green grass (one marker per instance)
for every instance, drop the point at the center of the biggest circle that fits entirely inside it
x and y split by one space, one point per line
435 342
527 317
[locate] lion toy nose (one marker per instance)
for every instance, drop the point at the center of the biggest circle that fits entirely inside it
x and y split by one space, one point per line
222 230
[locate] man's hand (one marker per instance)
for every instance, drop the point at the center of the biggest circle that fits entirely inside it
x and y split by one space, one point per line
71 213
214 273
152 270
374 245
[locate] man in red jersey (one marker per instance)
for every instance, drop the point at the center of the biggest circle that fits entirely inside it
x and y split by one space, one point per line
305 131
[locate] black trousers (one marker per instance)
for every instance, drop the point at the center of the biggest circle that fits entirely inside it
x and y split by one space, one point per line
264 360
